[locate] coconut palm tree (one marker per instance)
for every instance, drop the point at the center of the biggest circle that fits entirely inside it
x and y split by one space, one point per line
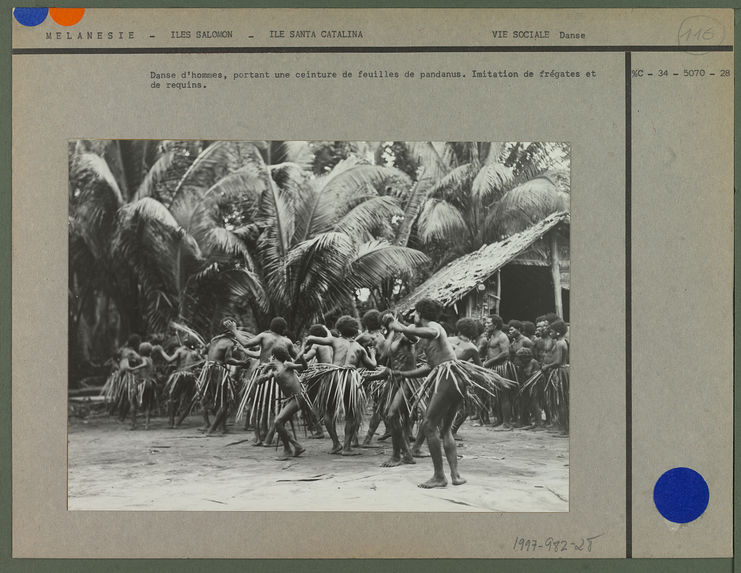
321 238
143 235
479 192
204 229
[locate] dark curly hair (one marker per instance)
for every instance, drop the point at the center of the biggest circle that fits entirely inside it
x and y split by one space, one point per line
468 327
347 326
318 330
497 321
145 349
428 309
280 353
279 325
371 320
550 317
516 324
528 328
559 327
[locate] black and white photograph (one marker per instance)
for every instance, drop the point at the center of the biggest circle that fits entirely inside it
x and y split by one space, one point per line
319 326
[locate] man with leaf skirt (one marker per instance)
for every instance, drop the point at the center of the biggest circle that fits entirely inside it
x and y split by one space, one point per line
142 388
376 388
283 371
444 388
264 400
215 388
549 386
340 392
181 384
116 386
498 358
315 354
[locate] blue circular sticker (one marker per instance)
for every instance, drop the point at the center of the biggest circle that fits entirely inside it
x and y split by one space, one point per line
30 16
681 495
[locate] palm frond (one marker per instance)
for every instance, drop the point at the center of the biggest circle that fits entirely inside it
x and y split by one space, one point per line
439 221
155 174
222 240
364 180
491 182
298 152
379 260
370 219
414 201
431 156
455 187
312 215
524 206
216 161
185 329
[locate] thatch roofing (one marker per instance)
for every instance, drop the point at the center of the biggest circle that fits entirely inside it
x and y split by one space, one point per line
458 278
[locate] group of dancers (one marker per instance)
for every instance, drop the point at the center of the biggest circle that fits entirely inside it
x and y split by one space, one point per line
423 372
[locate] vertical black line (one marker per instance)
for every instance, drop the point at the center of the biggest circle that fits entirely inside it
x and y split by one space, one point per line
628 320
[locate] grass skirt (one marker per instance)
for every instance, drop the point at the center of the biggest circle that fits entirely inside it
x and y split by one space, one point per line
114 390
336 391
179 382
550 391
470 381
214 387
142 393
263 400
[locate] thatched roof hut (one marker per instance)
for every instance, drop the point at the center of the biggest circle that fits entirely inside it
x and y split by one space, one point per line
473 271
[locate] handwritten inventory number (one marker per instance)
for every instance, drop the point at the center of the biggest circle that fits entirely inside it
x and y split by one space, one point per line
686 73
553 545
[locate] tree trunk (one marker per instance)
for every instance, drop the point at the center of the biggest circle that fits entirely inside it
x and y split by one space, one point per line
556 273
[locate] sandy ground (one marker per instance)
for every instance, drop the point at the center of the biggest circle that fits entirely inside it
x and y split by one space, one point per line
113 468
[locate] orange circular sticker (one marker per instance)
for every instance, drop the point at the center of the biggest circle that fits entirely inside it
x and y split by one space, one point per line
66 16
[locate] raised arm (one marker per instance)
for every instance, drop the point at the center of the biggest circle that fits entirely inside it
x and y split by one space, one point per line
245 340
167 358
418 331
323 340
367 359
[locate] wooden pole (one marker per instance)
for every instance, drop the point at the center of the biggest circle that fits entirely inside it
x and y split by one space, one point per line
556 273
499 291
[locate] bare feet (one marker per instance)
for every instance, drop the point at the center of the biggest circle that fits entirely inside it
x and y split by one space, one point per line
434 482
419 454
457 480
408 460
391 463
316 437
257 444
284 457
349 452
336 449
299 450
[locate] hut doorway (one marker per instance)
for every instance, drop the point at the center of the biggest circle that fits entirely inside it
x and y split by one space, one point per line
527 292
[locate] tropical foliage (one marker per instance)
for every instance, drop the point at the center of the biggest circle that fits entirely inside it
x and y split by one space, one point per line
192 231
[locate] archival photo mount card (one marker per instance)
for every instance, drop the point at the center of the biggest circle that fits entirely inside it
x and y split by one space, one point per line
402 272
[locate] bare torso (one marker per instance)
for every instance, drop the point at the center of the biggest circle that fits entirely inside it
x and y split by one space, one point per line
437 349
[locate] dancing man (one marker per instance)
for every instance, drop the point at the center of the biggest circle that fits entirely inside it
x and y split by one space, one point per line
447 382
283 371
340 386
264 398
181 385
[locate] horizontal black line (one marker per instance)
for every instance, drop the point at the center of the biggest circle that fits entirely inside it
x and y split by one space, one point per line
370 49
